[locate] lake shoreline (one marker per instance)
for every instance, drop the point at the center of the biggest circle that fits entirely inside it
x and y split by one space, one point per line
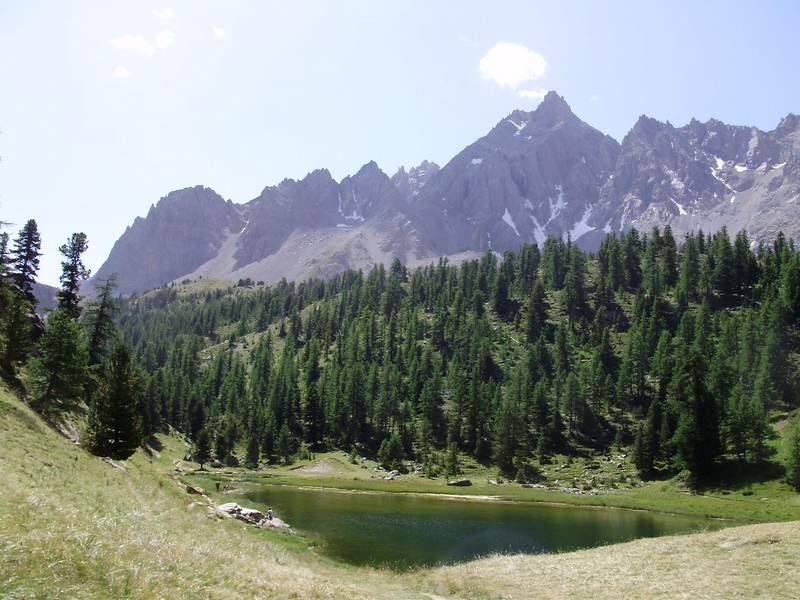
333 471
429 529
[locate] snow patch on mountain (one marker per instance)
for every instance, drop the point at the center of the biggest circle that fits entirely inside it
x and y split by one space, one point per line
519 126
582 226
556 206
510 222
681 210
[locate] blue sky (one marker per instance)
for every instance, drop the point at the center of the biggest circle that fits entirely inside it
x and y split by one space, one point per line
108 105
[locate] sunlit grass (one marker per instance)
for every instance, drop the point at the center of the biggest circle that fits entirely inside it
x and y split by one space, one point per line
74 526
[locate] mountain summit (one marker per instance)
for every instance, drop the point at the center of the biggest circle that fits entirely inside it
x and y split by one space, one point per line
535 174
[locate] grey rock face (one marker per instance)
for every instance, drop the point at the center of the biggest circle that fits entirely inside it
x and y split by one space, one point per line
185 229
534 174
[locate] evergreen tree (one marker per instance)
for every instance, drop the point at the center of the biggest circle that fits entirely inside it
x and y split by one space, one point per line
390 454
689 272
792 456
253 452
114 421
201 449
99 325
15 331
25 259
60 372
73 271
537 311
697 436
285 444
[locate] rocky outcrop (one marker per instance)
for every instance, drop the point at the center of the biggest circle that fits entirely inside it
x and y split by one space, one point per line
250 515
184 230
535 174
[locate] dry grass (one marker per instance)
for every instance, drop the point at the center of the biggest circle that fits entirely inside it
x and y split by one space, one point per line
751 561
77 527
74 526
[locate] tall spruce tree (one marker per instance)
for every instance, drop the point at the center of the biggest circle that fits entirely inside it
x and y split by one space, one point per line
114 421
61 370
25 259
73 271
792 456
99 325
697 436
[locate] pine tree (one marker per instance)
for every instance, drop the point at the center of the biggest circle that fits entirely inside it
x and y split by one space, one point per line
285 444
73 271
390 454
689 271
25 259
61 371
201 449
114 421
100 328
792 456
537 311
253 452
697 436
15 331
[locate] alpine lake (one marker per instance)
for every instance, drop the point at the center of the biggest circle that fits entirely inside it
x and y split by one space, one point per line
405 531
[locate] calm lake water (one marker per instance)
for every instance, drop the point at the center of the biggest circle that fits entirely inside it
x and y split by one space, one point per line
404 531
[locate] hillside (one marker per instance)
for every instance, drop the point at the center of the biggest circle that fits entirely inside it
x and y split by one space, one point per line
681 359
75 526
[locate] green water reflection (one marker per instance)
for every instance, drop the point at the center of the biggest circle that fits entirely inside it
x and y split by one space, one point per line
403 531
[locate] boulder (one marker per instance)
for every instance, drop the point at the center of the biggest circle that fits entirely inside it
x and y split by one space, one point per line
194 490
249 515
460 482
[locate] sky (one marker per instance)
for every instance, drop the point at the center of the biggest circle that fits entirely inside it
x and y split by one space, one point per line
108 105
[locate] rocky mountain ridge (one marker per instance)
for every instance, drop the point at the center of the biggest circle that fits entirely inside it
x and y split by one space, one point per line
534 174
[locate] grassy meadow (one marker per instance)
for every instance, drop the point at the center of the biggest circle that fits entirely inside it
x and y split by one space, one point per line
75 526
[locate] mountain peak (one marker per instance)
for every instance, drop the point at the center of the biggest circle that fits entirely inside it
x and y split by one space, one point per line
552 99
552 112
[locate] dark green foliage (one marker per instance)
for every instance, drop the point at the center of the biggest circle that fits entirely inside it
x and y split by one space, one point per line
792 456
697 435
253 453
60 372
390 454
25 259
15 337
73 272
114 417
201 449
99 324
646 343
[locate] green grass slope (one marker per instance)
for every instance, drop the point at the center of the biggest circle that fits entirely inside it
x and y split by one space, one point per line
75 526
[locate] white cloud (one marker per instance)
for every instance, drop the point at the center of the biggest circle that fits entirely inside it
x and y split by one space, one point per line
509 65
134 42
165 38
165 15
220 33
534 94
594 98
121 72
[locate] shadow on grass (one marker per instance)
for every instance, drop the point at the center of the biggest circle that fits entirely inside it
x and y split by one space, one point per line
154 443
737 475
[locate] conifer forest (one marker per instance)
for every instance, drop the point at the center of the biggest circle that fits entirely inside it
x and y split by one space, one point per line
676 351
